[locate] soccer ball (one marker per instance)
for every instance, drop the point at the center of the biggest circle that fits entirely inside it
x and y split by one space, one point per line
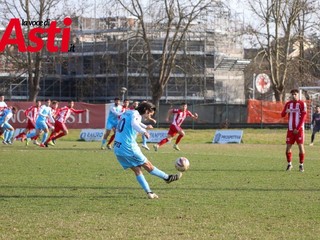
182 164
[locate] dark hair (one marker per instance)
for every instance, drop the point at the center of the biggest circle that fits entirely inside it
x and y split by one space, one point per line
183 103
116 99
145 106
294 91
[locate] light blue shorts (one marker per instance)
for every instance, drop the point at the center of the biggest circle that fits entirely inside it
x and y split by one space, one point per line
6 125
42 125
137 159
111 124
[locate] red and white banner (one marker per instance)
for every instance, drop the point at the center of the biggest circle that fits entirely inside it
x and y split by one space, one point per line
95 117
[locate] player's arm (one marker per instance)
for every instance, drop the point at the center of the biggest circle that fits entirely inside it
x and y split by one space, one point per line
151 120
313 118
136 124
51 117
78 111
170 112
194 116
284 111
27 113
303 116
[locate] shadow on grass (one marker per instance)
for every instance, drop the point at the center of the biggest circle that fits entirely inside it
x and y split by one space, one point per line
124 191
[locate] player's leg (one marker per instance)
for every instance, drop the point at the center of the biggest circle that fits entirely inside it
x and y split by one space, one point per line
313 136
289 156
149 167
105 137
62 128
111 138
300 142
144 142
9 133
143 182
44 136
171 133
301 157
181 135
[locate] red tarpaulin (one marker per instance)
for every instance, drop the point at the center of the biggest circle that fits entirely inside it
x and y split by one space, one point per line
268 112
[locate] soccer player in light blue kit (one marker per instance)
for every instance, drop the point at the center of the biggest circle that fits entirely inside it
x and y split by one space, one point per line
127 149
6 115
111 124
41 125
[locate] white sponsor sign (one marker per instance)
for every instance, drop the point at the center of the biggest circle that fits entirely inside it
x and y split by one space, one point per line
227 136
157 135
91 134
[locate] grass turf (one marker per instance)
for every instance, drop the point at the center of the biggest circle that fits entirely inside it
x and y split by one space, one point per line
235 191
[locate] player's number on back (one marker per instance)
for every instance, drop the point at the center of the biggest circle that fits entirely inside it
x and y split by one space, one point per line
121 124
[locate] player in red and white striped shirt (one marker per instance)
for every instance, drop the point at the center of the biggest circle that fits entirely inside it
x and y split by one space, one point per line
179 115
297 112
31 113
60 128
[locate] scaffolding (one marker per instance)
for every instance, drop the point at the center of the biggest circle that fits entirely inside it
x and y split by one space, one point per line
107 56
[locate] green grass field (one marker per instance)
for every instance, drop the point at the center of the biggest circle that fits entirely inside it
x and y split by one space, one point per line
236 191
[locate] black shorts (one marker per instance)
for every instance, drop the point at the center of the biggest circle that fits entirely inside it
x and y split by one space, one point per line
316 129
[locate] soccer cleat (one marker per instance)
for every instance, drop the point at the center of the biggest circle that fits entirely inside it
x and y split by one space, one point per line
35 142
145 147
152 195
301 169
156 147
109 147
289 167
173 177
4 142
176 147
9 142
50 143
54 141
311 144
42 145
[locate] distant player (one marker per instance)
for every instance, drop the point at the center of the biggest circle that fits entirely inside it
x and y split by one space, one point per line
60 129
3 105
7 114
125 107
297 111
128 152
315 121
111 124
179 115
149 126
2 102
31 114
41 123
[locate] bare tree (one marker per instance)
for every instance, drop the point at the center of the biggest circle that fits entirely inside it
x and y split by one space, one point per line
279 24
169 20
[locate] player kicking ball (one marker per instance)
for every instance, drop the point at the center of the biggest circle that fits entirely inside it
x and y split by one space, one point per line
128 151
